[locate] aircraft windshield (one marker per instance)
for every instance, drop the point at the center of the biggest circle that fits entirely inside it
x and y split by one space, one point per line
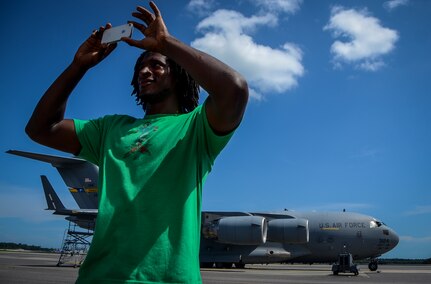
375 224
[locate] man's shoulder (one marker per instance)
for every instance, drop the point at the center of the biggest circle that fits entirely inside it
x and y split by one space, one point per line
105 122
117 118
195 112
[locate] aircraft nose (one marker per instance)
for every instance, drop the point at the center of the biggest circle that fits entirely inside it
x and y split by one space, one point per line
394 238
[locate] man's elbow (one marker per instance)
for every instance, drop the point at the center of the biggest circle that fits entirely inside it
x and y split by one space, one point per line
241 89
238 101
31 132
35 133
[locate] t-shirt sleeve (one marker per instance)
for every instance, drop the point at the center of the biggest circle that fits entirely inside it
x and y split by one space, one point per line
214 142
90 135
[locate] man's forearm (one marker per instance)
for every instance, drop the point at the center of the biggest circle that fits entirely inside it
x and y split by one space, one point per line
227 89
208 71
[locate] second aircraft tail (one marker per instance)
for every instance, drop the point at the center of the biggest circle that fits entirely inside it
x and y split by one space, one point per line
54 203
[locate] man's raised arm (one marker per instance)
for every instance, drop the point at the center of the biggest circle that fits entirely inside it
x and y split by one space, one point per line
47 125
227 89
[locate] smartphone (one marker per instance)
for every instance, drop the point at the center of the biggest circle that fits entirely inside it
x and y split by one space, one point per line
116 33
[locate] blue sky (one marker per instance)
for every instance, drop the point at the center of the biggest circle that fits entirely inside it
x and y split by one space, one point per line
339 114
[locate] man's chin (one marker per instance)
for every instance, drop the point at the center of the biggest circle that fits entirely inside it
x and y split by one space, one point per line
153 98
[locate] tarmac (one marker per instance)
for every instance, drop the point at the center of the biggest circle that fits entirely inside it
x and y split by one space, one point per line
31 267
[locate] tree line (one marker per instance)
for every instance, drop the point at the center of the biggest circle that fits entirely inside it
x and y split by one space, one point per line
25 247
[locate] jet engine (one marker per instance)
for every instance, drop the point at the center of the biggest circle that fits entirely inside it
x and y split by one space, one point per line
238 230
292 231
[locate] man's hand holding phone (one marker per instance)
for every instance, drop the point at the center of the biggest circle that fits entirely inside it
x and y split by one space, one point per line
115 34
92 51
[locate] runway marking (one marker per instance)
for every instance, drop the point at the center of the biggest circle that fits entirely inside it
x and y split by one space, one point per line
416 271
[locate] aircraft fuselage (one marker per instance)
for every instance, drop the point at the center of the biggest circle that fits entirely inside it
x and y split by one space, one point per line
329 234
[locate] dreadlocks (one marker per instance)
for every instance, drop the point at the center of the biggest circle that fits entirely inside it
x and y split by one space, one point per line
186 87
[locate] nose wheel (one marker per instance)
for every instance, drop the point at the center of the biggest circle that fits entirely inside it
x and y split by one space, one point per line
373 265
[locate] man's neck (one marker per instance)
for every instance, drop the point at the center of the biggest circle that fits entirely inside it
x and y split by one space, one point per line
162 108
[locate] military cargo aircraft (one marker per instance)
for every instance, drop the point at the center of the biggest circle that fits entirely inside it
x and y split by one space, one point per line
239 238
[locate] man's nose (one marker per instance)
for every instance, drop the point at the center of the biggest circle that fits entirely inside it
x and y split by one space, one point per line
145 70
144 73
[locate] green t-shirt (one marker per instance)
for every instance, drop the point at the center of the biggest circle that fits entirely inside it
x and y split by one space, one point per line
151 173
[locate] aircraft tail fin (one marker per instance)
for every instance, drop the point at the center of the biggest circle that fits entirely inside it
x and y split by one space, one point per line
79 175
54 203
86 198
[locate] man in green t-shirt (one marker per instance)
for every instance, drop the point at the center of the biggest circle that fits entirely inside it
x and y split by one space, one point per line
151 169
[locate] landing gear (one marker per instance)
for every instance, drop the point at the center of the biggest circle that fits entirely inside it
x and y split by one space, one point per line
239 265
223 264
207 264
345 264
373 265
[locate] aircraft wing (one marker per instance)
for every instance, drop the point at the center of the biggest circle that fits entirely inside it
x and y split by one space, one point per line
268 215
76 172
56 161
228 213
279 215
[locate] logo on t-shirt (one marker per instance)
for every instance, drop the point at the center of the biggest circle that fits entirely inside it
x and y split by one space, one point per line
141 144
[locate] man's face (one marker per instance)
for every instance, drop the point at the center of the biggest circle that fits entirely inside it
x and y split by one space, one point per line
155 78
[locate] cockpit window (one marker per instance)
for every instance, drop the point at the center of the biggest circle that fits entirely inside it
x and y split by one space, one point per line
375 224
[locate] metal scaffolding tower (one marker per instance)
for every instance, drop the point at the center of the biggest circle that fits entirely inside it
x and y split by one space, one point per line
75 246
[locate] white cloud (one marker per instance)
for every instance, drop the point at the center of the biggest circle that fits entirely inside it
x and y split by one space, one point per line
371 65
393 4
233 23
201 7
366 153
416 239
278 6
419 210
267 69
366 39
